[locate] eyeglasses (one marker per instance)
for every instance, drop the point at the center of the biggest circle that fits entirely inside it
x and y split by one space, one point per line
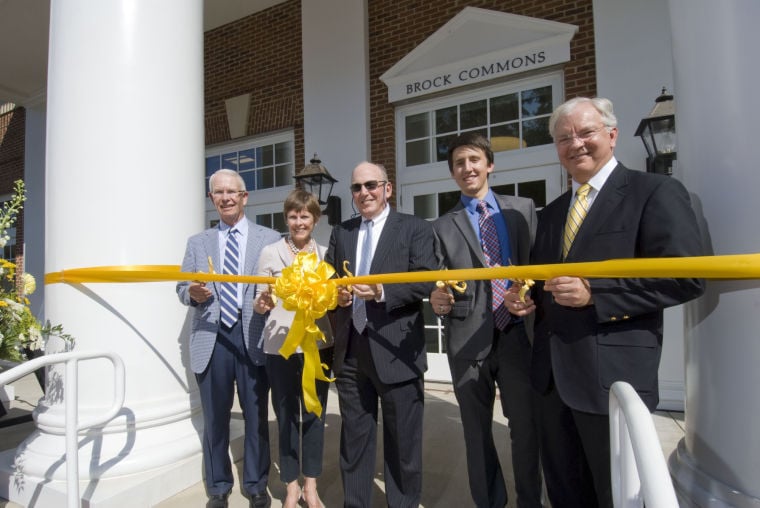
227 193
370 186
583 136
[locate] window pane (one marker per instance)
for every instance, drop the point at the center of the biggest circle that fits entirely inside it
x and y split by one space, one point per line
447 201
424 206
505 137
418 152
249 177
266 157
536 132
212 164
536 190
284 175
442 146
264 220
247 160
473 115
537 101
446 120
265 178
418 126
504 108
283 152
278 223
507 190
229 161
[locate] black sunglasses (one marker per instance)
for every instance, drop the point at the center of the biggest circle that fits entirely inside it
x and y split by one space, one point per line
370 186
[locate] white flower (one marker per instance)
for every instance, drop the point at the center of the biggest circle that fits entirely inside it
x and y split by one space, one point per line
29 283
3 241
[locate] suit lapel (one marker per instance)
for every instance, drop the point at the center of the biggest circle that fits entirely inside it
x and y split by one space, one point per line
211 247
462 222
605 204
384 246
510 218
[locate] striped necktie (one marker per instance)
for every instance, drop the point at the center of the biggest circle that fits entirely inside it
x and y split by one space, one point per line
575 217
229 305
360 306
489 241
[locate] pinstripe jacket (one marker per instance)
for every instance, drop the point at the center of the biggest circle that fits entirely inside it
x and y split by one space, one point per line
205 316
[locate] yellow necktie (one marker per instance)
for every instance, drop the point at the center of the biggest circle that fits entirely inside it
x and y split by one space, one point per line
575 217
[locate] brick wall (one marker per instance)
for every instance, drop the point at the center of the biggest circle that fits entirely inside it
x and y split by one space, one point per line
397 27
261 55
12 129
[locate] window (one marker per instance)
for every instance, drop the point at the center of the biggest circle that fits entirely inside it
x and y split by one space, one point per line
264 163
512 116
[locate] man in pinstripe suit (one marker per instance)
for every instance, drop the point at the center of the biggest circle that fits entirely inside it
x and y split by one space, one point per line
380 351
223 355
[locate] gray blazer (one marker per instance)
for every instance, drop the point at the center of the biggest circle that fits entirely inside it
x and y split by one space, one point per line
205 321
469 325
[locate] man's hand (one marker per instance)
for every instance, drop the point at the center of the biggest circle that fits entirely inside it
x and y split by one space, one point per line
515 304
345 298
570 291
441 300
368 291
198 291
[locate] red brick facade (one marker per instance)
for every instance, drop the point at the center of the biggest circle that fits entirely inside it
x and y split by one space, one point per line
261 55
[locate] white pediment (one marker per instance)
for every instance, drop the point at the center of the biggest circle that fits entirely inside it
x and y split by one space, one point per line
478 45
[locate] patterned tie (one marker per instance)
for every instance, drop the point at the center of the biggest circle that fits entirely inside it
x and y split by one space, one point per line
575 217
229 289
489 241
360 308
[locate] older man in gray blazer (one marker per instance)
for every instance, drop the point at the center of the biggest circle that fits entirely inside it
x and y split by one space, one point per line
225 336
486 339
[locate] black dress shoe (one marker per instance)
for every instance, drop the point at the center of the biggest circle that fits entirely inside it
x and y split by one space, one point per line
261 500
217 501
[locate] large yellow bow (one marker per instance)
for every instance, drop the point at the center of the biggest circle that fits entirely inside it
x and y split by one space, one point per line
306 288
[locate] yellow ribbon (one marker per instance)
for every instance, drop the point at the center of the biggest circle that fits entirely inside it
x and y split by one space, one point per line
307 287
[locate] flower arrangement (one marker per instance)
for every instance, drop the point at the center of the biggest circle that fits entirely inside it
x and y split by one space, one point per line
20 331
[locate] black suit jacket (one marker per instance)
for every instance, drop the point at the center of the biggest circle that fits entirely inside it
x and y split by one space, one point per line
619 337
470 323
395 327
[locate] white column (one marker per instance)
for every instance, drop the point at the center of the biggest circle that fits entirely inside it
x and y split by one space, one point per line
336 92
715 54
124 186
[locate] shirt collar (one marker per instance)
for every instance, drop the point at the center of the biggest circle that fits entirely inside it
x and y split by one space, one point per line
598 180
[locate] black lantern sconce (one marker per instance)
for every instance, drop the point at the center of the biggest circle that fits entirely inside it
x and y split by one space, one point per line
316 179
658 132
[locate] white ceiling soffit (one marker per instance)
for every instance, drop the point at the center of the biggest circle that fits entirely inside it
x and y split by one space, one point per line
474 40
220 12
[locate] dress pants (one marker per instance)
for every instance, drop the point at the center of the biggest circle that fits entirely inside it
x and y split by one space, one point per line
230 365
575 452
508 367
402 404
301 434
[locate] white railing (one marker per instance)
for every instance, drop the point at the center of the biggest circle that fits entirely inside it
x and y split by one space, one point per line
70 391
639 473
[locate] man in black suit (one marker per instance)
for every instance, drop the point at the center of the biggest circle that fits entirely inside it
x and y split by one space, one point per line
592 332
380 342
483 351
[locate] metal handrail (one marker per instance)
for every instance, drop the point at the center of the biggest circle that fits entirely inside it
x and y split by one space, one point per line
639 472
71 403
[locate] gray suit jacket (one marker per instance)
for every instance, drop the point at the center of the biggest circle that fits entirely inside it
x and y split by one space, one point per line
469 325
205 322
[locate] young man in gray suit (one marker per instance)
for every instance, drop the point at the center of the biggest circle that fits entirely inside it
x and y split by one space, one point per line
486 339
380 342
593 332
224 342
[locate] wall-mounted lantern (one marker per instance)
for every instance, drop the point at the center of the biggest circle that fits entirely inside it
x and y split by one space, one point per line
316 179
658 132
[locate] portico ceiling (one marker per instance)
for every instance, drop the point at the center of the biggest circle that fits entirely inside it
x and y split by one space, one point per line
24 41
